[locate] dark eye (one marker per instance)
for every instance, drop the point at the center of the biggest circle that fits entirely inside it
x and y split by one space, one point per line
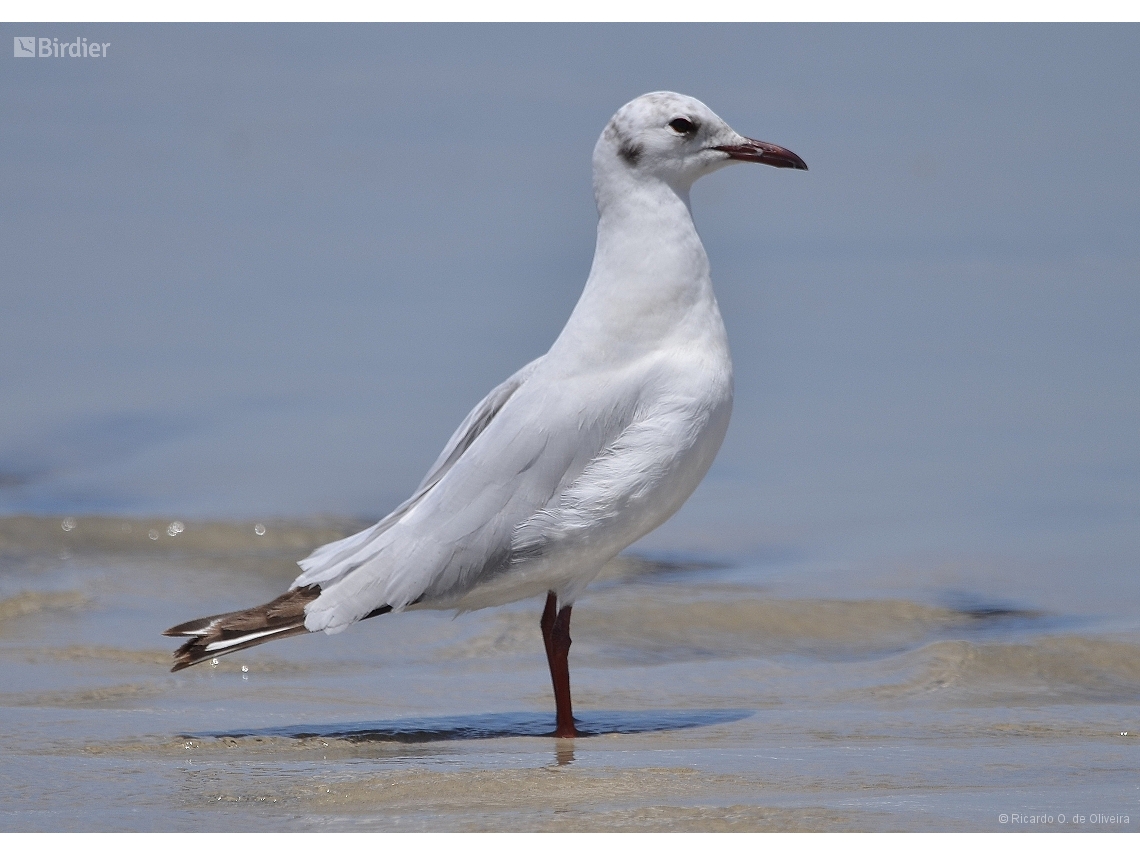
683 126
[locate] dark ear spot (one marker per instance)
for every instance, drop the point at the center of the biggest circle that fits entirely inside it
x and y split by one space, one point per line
630 152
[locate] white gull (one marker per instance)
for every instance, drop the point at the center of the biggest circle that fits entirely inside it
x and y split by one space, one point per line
579 453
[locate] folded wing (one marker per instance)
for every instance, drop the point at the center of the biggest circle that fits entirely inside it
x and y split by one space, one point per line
530 470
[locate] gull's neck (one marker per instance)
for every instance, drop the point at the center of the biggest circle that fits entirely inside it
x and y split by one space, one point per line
649 285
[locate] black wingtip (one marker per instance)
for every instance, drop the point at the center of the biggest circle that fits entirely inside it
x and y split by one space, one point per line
190 653
181 630
281 618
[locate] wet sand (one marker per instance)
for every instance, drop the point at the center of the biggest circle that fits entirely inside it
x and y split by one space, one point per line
712 698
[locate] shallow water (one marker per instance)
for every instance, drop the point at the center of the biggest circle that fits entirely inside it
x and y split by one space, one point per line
711 698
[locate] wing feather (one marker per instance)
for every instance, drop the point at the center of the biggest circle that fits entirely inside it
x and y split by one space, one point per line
333 560
530 469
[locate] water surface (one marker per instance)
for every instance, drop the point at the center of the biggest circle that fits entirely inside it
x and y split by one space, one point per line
710 697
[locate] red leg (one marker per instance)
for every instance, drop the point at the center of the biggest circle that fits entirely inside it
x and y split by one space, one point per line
556 636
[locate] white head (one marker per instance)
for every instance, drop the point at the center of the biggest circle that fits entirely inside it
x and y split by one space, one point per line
675 139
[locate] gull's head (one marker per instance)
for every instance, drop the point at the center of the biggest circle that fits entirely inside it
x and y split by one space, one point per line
677 139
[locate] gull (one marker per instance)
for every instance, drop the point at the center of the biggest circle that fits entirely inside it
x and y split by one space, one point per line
579 453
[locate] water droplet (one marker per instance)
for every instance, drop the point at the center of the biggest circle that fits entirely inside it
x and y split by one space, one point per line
259 529
214 663
244 669
68 524
175 528
152 534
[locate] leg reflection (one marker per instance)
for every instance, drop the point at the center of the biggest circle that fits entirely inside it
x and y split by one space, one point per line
564 751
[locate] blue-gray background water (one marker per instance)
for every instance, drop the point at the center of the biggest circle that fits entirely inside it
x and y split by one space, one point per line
259 273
